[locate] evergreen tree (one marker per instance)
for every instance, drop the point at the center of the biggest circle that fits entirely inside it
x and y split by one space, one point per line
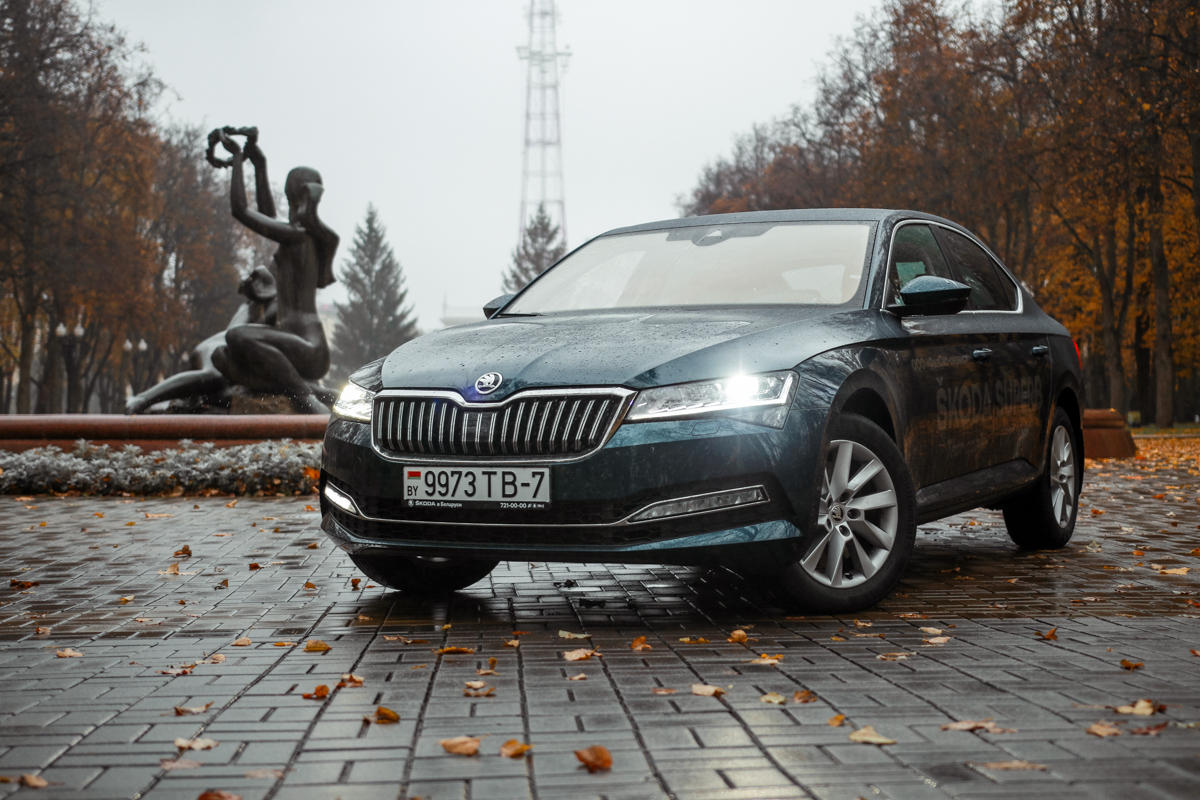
374 321
540 247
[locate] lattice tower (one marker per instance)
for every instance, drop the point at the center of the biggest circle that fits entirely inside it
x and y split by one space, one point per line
542 172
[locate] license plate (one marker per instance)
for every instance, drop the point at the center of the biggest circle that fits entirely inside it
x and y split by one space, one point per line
476 487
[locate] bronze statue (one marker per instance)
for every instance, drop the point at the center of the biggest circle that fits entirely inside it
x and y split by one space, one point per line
204 383
286 354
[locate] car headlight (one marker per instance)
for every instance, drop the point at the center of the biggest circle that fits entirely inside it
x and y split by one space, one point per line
354 403
761 399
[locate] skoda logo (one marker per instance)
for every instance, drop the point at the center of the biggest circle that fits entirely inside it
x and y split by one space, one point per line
836 513
488 383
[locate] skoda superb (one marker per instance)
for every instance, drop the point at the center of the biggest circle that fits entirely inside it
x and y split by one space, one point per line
788 393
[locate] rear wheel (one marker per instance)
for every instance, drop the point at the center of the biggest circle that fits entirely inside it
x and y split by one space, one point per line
422 575
1043 518
866 523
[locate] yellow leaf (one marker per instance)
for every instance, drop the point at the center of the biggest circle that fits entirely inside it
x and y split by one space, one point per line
694 640
582 654
774 698
805 697
836 720
243 642
187 711
704 690
195 744
514 749
1131 665
460 745
383 716
1142 708
126 599
67 652
639 644
580 677
737 637
316 646
663 690
569 635
596 758
867 735
1103 729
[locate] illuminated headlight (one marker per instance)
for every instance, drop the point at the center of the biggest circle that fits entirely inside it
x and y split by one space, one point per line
761 399
354 403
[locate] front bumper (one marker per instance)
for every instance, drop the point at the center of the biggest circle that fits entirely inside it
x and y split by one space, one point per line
592 499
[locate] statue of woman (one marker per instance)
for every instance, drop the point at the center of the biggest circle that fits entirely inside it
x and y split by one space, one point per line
287 356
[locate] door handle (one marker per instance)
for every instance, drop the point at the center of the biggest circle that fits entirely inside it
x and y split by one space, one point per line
982 354
1040 350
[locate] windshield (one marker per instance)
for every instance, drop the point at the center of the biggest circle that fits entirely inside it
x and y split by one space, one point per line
738 264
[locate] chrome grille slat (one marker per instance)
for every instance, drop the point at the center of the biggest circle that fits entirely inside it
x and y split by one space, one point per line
542 425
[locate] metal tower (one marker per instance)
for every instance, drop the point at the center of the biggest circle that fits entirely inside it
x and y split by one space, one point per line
542 175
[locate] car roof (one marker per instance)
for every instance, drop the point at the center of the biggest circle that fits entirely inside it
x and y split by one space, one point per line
785 215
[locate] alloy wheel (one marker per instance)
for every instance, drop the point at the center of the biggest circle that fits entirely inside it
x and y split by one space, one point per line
1062 476
858 518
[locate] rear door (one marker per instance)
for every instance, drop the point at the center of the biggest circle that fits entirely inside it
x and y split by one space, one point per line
1019 369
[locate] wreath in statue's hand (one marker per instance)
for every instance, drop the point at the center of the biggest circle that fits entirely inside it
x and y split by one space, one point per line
222 136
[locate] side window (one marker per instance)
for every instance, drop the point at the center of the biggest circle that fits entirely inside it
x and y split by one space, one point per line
991 290
915 252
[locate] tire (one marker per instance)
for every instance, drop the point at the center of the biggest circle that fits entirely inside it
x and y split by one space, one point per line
872 545
421 575
1043 517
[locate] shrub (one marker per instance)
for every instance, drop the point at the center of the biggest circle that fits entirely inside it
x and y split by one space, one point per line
263 468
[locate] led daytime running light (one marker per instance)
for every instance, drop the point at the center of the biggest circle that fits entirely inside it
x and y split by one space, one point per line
724 394
355 403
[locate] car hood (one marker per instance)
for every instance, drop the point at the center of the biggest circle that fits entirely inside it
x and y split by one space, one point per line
636 350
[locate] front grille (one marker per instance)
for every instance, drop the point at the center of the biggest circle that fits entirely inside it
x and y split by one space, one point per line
532 426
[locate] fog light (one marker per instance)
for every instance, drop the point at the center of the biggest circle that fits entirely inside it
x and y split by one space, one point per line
701 503
340 499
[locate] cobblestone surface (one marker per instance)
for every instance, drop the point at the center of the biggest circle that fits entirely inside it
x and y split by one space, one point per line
100 725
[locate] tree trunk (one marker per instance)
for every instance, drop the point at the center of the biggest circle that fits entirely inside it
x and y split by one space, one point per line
25 365
1106 269
1164 369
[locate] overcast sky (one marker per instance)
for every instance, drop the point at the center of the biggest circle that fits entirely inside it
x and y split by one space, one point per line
418 107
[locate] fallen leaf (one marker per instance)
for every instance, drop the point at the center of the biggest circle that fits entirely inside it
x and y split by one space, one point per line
836 720
580 677
514 749
16 584
894 656
1141 708
704 690
232 504
912 615
1049 635
861 624
694 640
774 698
67 652
285 644
316 646
985 725
937 640
475 684
218 658
319 693
737 637
1131 665
1009 765
511 643
169 764
640 644
41 631
183 552
34 781
447 626
805 697
314 546
187 711
931 631
218 794
1176 571
225 583
195 744
460 745
171 570
265 772
309 585
127 599
836 638
766 660
1103 729
354 582
663 690
569 635
129 524
582 654
383 716
520 633
309 508
254 565
174 671
868 735
350 681
1150 730
447 650
243 642
402 640
595 758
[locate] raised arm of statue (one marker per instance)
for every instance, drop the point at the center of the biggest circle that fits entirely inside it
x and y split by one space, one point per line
255 220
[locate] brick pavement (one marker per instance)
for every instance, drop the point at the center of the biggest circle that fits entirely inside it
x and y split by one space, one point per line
99 726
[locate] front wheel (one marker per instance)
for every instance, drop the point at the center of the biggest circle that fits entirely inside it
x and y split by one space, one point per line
422 575
866 523
1043 518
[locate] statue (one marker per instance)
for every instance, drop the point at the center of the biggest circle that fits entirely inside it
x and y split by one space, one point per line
283 350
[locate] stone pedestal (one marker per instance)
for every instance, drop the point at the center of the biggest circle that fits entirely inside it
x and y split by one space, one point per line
247 402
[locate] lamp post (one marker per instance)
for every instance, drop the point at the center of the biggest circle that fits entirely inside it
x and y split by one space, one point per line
70 365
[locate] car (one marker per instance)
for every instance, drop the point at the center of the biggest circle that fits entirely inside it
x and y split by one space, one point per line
785 393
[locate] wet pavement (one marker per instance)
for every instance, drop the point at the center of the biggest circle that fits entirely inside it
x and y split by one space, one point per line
100 725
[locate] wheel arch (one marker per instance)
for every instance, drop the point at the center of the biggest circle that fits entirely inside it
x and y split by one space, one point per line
1068 401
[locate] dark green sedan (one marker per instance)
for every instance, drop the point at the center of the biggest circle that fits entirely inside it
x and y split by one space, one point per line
787 393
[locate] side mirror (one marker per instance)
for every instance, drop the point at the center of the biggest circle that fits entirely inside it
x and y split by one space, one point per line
929 295
494 306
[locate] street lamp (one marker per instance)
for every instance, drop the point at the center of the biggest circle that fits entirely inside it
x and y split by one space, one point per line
142 345
61 330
